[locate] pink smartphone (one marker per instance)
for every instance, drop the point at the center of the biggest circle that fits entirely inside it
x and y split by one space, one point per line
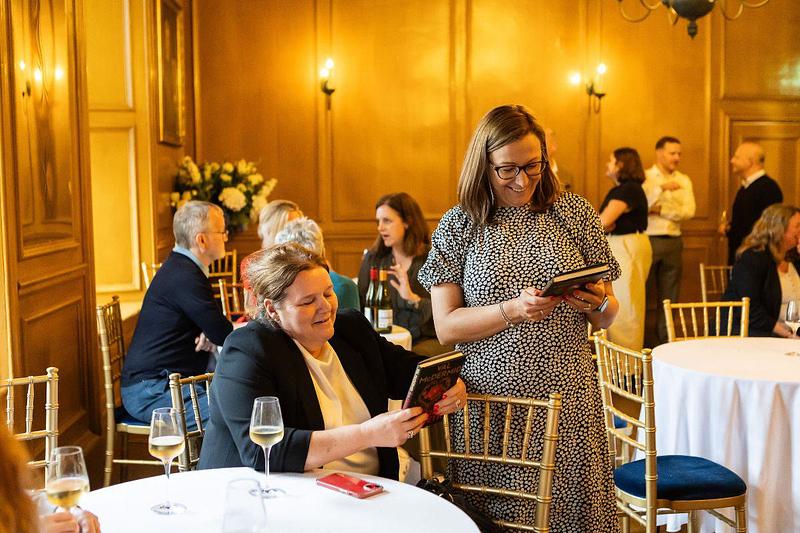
352 486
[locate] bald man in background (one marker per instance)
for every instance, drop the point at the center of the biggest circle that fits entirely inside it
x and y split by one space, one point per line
757 192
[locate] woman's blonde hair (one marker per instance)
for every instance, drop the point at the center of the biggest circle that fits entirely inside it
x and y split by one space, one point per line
768 231
272 271
273 217
501 126
17 510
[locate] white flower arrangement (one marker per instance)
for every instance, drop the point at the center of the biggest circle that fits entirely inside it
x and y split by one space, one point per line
237 188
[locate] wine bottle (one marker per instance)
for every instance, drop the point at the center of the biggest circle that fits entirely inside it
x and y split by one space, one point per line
369 299
383 304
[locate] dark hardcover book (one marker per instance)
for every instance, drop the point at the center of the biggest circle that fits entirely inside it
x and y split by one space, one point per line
575 279
433 377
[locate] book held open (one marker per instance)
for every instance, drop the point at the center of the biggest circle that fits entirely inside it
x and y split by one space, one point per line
575 279
432 378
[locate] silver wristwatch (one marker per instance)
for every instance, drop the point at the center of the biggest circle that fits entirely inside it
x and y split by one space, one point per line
603 305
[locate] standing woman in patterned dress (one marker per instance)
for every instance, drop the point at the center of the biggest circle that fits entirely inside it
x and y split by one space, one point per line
512 230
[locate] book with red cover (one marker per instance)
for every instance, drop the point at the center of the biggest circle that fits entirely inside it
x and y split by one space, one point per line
433 377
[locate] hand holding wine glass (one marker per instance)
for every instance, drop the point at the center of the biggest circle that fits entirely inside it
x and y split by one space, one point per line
266 430
166 443
67 479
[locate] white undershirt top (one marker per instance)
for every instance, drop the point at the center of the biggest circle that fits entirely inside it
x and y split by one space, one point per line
790 289
341 405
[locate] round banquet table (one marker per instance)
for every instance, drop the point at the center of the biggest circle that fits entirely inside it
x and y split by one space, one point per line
305 507
400 336
737 402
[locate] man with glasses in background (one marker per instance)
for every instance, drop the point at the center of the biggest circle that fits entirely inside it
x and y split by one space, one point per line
180 324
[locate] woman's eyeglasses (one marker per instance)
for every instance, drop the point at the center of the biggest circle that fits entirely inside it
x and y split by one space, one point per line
509 172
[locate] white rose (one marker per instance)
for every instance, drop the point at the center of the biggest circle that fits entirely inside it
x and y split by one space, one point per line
255 179
233 199
242 187
227 168
225 177
258 204
267 188
214 167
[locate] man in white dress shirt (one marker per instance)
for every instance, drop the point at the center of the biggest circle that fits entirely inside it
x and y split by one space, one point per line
671 201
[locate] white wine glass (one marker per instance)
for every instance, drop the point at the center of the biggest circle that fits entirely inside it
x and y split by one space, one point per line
244 507
166 443
266 430
793 320
67 479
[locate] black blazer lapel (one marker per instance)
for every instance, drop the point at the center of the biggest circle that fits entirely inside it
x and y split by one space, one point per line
305 386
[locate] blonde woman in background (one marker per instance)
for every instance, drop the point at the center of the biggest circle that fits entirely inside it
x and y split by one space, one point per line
273 217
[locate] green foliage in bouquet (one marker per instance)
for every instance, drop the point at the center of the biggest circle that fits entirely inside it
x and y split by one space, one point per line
237 188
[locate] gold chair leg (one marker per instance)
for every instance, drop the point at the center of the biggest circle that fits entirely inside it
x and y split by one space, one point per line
691 527
741 519
123 468
626 524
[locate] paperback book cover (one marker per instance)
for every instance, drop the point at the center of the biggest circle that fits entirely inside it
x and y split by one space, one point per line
575 279
433 377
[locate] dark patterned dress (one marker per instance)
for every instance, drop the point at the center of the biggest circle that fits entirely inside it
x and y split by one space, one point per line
521 249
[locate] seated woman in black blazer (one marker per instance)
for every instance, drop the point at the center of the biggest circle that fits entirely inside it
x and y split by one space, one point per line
767 271
332 373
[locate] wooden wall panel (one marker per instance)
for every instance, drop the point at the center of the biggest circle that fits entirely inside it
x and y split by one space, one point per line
391 112
108 59
258 79
761 53
523 53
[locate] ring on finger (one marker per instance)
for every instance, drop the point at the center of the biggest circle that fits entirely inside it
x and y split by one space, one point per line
458 404
410 434
541 314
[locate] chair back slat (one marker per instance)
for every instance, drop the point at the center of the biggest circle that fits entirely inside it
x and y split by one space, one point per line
194 439
714 281
704 315
225 268
49 433
505 409
232 297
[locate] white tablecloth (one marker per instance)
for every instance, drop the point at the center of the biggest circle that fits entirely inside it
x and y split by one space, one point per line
400 508
736 402
400 336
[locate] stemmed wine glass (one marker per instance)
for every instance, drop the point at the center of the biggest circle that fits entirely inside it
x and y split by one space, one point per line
166 443
266 430
67 479
793 319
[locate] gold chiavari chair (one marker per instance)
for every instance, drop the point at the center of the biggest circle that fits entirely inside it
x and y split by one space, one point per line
50 431
224 268
194 439
149 271
657 485
707 319
511 406
112 349
714 280
232 296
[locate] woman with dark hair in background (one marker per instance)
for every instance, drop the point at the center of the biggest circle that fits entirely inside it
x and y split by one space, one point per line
624 217
401 247
766 271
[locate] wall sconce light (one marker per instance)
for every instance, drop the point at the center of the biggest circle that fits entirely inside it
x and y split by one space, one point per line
326 81
595 87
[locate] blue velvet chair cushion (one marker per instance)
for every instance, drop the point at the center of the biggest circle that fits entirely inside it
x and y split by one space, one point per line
122 417
681 477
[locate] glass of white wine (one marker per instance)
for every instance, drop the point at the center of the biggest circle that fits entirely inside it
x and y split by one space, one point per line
793 320
166 443
67 479
266 430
